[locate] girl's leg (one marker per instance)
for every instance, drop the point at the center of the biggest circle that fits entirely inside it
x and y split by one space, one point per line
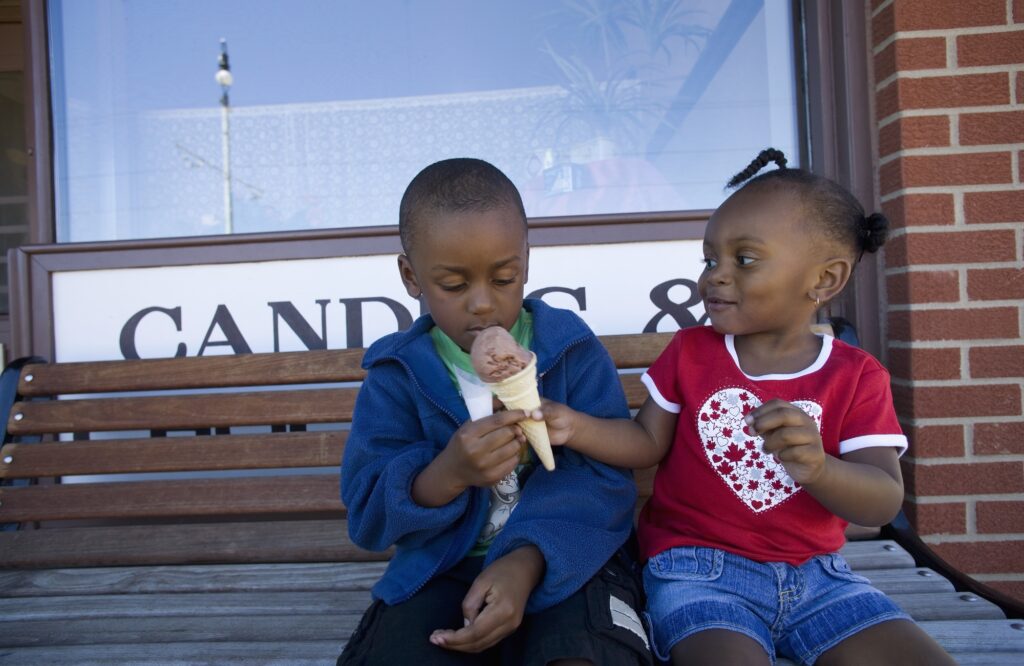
897 642
719 647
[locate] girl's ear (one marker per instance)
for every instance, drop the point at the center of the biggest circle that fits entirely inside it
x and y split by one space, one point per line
832 277
412 285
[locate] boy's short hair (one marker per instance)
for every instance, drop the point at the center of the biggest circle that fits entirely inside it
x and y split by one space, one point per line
451 186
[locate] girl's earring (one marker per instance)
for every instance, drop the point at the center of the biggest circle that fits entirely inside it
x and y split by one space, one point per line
817 299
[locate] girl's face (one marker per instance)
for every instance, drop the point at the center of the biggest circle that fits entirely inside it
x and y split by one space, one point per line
760 265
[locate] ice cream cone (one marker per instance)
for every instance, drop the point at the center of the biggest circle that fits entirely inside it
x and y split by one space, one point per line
520 392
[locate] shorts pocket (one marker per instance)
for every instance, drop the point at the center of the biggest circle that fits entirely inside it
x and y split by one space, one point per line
836 566
695 563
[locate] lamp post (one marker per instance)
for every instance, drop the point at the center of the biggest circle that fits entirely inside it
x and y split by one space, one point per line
225 80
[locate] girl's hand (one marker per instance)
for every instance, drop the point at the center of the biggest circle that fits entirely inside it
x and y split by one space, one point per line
792 437
561 420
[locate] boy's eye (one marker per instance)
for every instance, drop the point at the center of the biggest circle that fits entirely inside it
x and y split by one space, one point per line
504 281
452 287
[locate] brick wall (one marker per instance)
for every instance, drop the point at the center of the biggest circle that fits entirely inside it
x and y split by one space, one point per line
949 105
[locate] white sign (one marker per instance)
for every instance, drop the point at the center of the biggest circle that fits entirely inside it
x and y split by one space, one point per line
334 303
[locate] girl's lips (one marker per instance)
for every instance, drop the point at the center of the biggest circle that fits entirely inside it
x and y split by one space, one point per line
716 304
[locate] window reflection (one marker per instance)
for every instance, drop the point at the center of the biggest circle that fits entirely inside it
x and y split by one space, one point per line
591 107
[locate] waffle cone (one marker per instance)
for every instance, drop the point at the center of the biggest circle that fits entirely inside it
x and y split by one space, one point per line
520 392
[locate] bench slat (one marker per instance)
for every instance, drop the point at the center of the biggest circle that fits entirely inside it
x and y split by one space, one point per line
261 653
174 454
254 578
285 627
635 351
183 412
307 493
978 636
264 369
215 543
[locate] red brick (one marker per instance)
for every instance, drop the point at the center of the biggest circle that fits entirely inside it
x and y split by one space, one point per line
1018 11
917 363
913 132
931 170
1000 517
986 207
883 25
924 402
951 92
1011 588
995 284
980 557
938 441
993 48
944 518
963 478
924 287
910 54
989 128
887 101
1020 84
999 438
1002 361
959 324
919 209
951 247
939 14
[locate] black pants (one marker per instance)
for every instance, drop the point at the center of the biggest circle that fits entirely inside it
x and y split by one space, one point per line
600 622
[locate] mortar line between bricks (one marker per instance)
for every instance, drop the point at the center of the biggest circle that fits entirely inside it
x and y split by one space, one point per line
945 111
948 32
955 344
962 497
984 188
943 151
970 538
933 268
941 72
970 305
983 577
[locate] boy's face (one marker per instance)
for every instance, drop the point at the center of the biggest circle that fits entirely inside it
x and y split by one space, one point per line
471 268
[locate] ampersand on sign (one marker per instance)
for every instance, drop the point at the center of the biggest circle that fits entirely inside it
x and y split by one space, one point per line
678 311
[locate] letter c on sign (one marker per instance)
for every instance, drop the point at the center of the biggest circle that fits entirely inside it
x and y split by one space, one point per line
128 349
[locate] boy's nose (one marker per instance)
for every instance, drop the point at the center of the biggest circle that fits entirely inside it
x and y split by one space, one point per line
480 301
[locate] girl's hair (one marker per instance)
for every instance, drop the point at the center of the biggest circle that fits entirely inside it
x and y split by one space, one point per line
839 214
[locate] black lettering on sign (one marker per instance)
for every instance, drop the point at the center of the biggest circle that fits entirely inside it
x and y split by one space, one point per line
579 294
669 308
128 331
354 317
300 327
232 336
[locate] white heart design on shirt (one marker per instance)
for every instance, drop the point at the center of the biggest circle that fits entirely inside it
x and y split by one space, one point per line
758 479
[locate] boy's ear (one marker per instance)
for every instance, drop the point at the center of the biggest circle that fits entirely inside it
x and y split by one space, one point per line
832 277
412 285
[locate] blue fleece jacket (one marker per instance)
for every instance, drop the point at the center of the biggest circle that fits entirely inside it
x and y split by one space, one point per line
406 412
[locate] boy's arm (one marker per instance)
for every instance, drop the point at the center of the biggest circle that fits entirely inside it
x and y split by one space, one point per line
636 444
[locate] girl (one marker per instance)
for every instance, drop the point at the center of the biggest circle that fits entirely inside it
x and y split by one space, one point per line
770 438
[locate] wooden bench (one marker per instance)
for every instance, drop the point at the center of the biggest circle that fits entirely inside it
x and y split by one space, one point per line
187 510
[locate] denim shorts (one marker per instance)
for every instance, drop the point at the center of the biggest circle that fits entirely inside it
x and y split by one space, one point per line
797 612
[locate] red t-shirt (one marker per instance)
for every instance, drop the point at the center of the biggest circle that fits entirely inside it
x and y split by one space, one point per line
715 487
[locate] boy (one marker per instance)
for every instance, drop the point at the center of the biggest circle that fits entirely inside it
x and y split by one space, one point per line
474 580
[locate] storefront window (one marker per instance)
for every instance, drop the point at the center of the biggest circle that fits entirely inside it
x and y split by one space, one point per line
591 106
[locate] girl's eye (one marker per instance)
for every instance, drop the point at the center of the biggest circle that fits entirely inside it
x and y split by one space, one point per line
709 263
744 261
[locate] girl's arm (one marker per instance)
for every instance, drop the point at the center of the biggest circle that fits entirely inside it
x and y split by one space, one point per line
864 486
636 444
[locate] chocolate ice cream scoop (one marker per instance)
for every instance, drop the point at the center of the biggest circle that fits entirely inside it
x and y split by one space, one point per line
496 355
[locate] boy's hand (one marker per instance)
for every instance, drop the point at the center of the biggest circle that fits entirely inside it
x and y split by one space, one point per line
495 603
561 420
792 437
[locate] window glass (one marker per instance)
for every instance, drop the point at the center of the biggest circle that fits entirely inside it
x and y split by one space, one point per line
590 106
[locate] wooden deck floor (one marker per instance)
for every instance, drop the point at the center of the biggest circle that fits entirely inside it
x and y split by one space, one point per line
303 613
